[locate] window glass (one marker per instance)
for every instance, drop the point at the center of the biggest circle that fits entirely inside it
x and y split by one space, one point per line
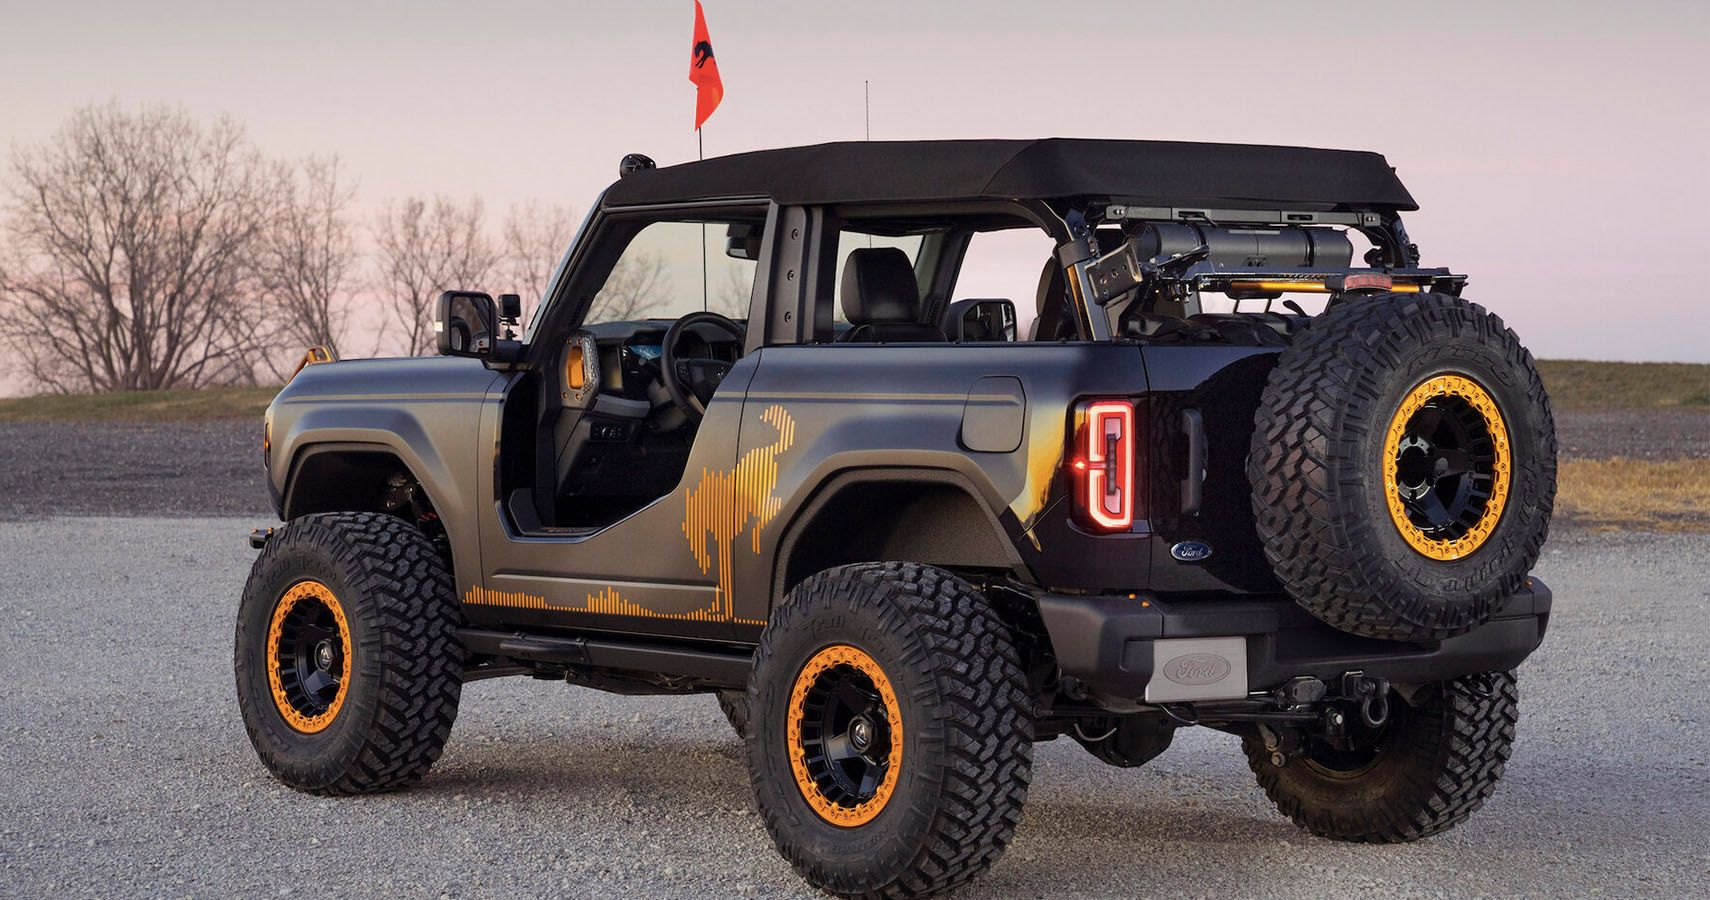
659 276
1006 265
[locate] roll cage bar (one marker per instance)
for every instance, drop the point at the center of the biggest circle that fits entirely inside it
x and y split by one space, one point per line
794 278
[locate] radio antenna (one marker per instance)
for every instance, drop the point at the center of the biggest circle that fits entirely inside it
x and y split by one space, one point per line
867 105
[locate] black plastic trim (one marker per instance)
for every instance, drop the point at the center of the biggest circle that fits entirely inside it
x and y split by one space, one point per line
1106 641
727 669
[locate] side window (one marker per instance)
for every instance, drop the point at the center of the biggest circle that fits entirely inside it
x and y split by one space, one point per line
660 275
1005 264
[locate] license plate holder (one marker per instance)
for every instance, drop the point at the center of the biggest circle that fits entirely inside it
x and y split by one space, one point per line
1198 669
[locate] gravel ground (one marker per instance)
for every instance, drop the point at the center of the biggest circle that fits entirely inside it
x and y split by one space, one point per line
1636 434
127 771
126 468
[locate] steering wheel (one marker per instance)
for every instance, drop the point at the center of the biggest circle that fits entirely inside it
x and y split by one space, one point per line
691 380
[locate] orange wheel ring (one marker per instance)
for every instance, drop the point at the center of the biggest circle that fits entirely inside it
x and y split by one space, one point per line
835 749
1413 465
308 656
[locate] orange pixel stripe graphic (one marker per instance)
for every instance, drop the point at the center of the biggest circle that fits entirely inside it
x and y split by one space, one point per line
723 504
717 510
606 601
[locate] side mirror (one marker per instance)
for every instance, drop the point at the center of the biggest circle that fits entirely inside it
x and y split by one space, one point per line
742 240
980 320
465 323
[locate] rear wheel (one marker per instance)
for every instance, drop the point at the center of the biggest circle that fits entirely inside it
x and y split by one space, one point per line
1403 466
347 660
892 735
1426 770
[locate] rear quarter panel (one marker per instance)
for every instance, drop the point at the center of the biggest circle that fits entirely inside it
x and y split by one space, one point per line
901 406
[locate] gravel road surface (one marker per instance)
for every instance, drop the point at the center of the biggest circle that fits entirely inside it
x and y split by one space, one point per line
127 772
131 468
1635 434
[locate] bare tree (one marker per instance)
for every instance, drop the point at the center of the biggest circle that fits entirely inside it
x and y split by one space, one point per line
632 290
310 257
535 239
131 238
734 291
425 247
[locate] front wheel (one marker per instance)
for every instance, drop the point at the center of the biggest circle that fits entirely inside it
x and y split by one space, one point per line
1430 767
348 664
892 735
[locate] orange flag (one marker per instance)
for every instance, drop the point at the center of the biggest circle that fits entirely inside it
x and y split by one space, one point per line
703 71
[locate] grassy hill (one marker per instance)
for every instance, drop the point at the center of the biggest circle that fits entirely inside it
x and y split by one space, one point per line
1577 384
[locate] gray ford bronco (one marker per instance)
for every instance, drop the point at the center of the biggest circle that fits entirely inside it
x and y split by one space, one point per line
1218 474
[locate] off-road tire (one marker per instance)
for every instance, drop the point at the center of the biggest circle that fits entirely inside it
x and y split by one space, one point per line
734 705
405 663
1316 466
967 727
1439 768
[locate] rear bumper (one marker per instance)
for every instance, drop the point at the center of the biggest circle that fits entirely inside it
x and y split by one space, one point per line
1110 643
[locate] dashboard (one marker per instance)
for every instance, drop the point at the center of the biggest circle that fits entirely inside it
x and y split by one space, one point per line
630 352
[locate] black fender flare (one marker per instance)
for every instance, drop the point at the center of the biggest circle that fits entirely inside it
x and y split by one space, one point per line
829 488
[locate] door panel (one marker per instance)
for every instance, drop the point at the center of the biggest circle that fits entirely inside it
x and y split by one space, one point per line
658 571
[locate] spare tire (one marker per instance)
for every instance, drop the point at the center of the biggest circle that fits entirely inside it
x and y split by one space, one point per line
1403 466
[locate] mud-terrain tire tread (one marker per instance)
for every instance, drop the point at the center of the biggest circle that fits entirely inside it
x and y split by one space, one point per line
405 585
1459 742
983 706
734 705
1318 401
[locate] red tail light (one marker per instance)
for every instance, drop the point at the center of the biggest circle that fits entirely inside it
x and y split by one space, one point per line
1104 469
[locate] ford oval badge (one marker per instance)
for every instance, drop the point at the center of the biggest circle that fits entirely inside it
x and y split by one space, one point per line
1191 551
1197 668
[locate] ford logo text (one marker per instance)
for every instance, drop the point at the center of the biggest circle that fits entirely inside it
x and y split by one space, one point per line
1197 668
1191 551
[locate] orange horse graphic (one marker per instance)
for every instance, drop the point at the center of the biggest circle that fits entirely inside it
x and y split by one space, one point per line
723 503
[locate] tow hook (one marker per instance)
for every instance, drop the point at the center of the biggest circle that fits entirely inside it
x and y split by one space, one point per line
1372 695
258 537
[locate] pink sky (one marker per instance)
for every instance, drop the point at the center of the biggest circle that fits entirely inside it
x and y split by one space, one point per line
1558 149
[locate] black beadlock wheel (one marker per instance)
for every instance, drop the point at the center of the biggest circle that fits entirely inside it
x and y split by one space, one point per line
1403 466
892 731
347 660
1425 771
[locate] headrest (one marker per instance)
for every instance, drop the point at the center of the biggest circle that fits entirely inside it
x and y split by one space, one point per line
1052 305
879 287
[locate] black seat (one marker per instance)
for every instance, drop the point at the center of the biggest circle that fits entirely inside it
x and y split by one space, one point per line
881 299
1056 320
1054 307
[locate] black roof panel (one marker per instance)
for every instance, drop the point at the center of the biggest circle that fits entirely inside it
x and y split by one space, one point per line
1163 173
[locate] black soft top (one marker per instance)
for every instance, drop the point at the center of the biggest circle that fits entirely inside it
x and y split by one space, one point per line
1162 173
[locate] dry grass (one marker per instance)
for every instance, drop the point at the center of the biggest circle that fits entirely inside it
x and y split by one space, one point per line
1577 384
1636 495
140 406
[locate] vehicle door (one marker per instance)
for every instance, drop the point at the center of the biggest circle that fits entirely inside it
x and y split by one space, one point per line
625 513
